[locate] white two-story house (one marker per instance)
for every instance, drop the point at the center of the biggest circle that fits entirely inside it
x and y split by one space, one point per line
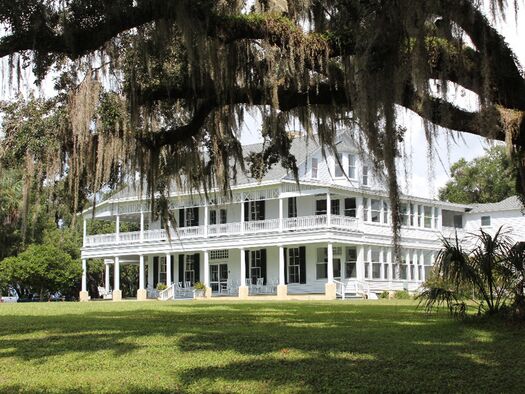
328 236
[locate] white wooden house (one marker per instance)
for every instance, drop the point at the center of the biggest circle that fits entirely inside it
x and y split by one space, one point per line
330 235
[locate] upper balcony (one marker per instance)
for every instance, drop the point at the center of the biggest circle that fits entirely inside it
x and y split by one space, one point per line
304 223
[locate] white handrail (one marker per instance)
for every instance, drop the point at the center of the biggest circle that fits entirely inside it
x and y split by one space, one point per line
167 293
340 289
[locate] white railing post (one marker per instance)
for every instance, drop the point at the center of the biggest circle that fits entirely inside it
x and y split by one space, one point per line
330 263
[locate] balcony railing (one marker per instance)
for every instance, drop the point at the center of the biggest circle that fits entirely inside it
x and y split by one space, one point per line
305 223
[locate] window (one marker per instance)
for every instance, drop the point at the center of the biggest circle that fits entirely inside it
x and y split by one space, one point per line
162 270
213 217
256 210
365 175
385 212
376 264
294 266
189 268
334 207
458 221
365 209
256 264
320 207
385 271
404 214
436 217
419 215
339 166
376 210
191 217
219 254
428 217
403 270
350 207
292 207
351 263
224 216
485 220
352 168
314 167
322 263
412 214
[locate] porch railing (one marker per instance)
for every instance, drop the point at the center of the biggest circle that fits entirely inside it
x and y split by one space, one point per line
168 293
312 222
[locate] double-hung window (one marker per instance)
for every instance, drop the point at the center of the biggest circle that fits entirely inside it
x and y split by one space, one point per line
351 263
404 214
365 176
335 208
385 212
213 217
292 207
320 207
339 166
428 217
376 264
223 216
365 209
375 210
352 166
322 263
315 169
485 221
294 265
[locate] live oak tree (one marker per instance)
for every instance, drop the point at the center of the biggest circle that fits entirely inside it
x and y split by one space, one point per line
160 87
488 178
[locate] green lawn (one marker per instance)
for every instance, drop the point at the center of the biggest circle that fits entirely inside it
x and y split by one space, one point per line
253 347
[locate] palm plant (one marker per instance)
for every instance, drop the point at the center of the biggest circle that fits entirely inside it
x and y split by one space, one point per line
487 268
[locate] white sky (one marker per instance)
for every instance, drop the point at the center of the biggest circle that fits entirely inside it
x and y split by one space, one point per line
424 176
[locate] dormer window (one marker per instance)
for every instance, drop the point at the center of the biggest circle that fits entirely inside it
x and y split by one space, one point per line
352 168
339 166
365 175
314 167
485 221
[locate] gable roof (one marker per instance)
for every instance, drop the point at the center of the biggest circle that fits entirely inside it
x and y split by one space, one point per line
509 204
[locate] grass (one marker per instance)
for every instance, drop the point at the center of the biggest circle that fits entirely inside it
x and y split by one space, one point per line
386 346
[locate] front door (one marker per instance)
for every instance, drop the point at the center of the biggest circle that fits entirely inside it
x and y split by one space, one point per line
218 276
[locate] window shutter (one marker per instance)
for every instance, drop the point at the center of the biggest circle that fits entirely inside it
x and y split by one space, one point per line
261 209
195 219
181 217
285 266
263 264
247 263
246 211
181 268
155 271
302 264
197 267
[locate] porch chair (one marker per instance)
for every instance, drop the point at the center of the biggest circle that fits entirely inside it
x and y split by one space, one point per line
259 286
105 294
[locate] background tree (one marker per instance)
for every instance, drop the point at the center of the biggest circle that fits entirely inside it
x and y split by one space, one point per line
183 72
489 178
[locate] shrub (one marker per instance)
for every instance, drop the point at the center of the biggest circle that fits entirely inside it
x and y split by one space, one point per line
161 286
402 295
385 295
199 286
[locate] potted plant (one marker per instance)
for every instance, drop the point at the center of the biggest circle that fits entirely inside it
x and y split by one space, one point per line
199 290
161 286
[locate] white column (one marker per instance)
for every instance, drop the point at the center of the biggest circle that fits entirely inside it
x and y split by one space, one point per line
280 214
359 204
330 265
141 226
84 275
390 266
416 266
343 264
281 266
382 260
242 219
141 272
106 278
206 220
206 269
328 209
407 257
84 232
168 270
117 227
116 274
369 261
360 266
150 272
243 268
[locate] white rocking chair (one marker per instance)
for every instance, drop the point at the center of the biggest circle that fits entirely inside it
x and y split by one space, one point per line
105 294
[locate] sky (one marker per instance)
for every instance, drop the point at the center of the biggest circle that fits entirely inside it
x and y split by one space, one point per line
426 174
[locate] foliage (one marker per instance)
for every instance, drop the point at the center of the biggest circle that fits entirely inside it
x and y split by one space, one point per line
253 347
492 268
161 286
41 269
490 178
199 286
402 295
183 73
385 295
